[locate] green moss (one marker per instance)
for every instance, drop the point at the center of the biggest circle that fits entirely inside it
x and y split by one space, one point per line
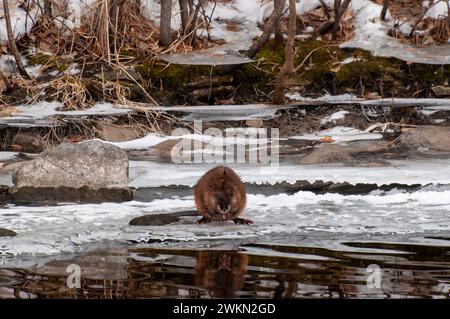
368 68
320 70
271 53
174 78
49 62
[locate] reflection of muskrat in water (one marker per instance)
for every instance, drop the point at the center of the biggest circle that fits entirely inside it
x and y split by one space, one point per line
220 195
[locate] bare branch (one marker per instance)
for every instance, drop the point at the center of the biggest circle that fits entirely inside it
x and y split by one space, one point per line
269 28
384 10
325 8
288 67
12 42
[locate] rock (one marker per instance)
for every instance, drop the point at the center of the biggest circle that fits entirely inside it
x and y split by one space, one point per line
29 195
7 233
117 133
5 196
94 164
441 90
29 143
154 220
160 219
326 154
88 171
432 137
255 123
164 149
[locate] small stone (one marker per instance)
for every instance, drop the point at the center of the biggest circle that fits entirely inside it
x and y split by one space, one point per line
255 123
29 143
326 154
161 219
441 90
117 133
154 220
430 137
7 233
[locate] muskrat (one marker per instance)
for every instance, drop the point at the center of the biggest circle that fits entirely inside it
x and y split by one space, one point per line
220 195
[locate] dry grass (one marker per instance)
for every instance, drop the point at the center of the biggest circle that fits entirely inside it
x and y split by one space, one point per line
72 92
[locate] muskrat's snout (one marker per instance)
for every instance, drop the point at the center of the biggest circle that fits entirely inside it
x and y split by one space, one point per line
224 208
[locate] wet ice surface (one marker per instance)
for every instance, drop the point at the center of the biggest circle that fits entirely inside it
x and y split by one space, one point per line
313 245
278 218
301 245
151 174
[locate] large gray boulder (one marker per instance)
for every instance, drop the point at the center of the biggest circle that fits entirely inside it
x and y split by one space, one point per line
432 137
82 169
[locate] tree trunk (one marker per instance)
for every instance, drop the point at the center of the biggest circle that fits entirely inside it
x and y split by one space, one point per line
384 10
448 13
165 35
270 26
337 18
278 31
12 42
339 9
288 67
184 13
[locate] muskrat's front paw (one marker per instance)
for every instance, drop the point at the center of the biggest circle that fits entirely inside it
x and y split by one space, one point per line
241 221
203 220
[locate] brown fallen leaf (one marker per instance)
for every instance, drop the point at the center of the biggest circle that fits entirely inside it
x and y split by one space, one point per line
16 147
74 138
327 139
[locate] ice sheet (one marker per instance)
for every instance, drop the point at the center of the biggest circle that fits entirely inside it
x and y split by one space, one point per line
68 228
422 172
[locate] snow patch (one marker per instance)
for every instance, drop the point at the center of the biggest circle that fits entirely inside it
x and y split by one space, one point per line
340 133
333 118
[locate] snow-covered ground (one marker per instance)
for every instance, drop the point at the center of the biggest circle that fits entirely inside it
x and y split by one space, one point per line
245 15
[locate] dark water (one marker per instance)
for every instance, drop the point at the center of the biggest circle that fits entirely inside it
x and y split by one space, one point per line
250 271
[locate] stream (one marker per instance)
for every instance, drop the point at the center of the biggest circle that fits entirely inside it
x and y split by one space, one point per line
303 244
